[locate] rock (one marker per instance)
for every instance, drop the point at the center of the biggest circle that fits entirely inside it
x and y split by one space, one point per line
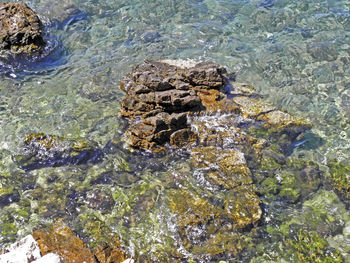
242 205
183 137
207 229
100 199
227 168
308 246
164 98
191 208
21 30
159 97
25 250
60 239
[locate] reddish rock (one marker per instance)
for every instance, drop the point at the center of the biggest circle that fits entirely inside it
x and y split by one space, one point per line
61 240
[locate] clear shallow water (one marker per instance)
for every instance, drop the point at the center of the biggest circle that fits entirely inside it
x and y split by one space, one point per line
295 52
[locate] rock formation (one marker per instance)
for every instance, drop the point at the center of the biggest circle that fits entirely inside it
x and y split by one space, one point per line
21 30
223 124
162 98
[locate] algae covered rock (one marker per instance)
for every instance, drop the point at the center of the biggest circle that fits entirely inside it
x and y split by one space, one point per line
227 168
21 30
308 246
191 208
209 229
242 205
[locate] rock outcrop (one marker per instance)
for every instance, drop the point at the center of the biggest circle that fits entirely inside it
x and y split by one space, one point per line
21 30
159 97
61 240
162 98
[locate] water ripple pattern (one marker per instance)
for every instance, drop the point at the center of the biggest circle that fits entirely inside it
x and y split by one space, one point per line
296 53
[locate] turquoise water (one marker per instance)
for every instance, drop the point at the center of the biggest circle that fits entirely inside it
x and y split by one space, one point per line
296 53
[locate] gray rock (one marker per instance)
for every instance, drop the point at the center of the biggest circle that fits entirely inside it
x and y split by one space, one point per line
23 251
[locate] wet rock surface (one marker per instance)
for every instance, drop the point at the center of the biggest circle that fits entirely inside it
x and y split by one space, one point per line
25 250
160 95
162 99
21 30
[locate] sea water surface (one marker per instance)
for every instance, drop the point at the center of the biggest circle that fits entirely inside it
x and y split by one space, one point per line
295 53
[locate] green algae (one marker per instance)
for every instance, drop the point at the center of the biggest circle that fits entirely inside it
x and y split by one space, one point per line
308 246
324 213
289 187
340 177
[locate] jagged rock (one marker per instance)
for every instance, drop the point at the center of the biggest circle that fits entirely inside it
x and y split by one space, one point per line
159 97
60 239
21 30
23 251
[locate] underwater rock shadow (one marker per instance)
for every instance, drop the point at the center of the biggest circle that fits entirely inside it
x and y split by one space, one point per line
89 156
309 141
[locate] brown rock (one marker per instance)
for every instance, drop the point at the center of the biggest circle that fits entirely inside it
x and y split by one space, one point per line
60 239
20 28
159 97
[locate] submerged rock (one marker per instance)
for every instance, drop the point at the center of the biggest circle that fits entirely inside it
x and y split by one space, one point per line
21 30
207 229
110 253
308 246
